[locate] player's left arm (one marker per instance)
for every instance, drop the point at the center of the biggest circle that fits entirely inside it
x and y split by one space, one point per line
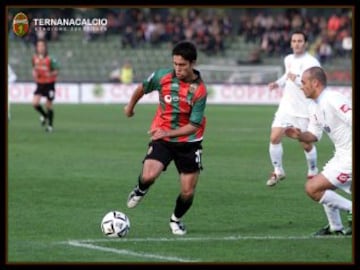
195 120
343 108
314 130
54 67
158 133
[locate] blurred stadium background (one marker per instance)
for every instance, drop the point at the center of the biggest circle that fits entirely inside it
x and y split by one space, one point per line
233 42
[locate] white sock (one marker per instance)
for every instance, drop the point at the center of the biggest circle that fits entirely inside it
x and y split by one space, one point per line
276 153
333 199
311 159
333 217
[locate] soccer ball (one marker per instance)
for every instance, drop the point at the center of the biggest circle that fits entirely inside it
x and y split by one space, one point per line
115 224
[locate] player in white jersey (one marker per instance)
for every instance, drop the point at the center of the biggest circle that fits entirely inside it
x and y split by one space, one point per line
330 111
11 79
292 109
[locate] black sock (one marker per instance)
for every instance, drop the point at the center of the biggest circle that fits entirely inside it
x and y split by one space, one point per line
142 187
182 206
50 114
40 109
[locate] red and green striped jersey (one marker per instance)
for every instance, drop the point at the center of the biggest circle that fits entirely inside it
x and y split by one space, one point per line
180 103
43 66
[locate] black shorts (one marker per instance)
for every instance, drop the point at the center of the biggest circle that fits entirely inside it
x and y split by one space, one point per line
46 90
186 156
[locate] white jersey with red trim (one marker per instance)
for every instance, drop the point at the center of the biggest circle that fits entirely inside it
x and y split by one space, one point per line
332 112
293 100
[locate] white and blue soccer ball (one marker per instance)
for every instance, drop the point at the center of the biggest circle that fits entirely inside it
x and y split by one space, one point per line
115 224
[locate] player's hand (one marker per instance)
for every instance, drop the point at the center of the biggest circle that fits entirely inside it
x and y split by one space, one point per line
158 133
273 85
292 132
128 111
291 76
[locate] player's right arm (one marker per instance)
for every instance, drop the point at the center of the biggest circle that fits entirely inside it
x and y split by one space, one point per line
296 134
136 96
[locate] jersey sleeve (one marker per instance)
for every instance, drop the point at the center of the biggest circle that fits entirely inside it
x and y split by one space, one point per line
198 109
151 83
54 64
314 127
343 108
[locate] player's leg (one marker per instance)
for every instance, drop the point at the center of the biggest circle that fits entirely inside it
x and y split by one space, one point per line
156 160
183 202
189 165
50 96
310 149
50 115
37 106
276 155
310 152
321 189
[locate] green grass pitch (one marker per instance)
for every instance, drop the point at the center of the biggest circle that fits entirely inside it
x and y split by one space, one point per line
60 185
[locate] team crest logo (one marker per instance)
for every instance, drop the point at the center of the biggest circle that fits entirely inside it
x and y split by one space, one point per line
20 24
192 88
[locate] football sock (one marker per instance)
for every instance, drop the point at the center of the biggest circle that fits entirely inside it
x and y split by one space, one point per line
40 109
311 158
182 206
333 199
143 187
276 153
334 218
50 114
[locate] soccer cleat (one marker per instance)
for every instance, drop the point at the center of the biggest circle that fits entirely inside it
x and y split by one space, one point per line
42 120
347 231
274 179
135 197
49 129
326 231
177 227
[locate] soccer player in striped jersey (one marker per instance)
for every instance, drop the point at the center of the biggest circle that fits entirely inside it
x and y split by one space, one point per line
177 129
45 72
292 110
330 112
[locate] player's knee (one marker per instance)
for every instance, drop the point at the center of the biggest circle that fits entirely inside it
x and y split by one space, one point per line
307 147
275 138
312 191
187 196
149 177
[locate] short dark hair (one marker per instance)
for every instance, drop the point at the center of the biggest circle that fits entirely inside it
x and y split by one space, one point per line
300 32
318 73
186 49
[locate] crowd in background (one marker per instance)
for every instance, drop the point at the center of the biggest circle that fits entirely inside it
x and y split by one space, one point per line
329 33
328 36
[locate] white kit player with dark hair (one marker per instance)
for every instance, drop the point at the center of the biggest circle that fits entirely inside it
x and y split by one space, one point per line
292 110
330 112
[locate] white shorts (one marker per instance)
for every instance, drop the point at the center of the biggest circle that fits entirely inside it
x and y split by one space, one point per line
338 173
282 119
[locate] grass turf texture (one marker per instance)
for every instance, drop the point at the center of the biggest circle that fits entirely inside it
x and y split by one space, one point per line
60 185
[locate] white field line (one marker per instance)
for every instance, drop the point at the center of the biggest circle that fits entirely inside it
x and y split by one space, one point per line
129 252
89 243
201 239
